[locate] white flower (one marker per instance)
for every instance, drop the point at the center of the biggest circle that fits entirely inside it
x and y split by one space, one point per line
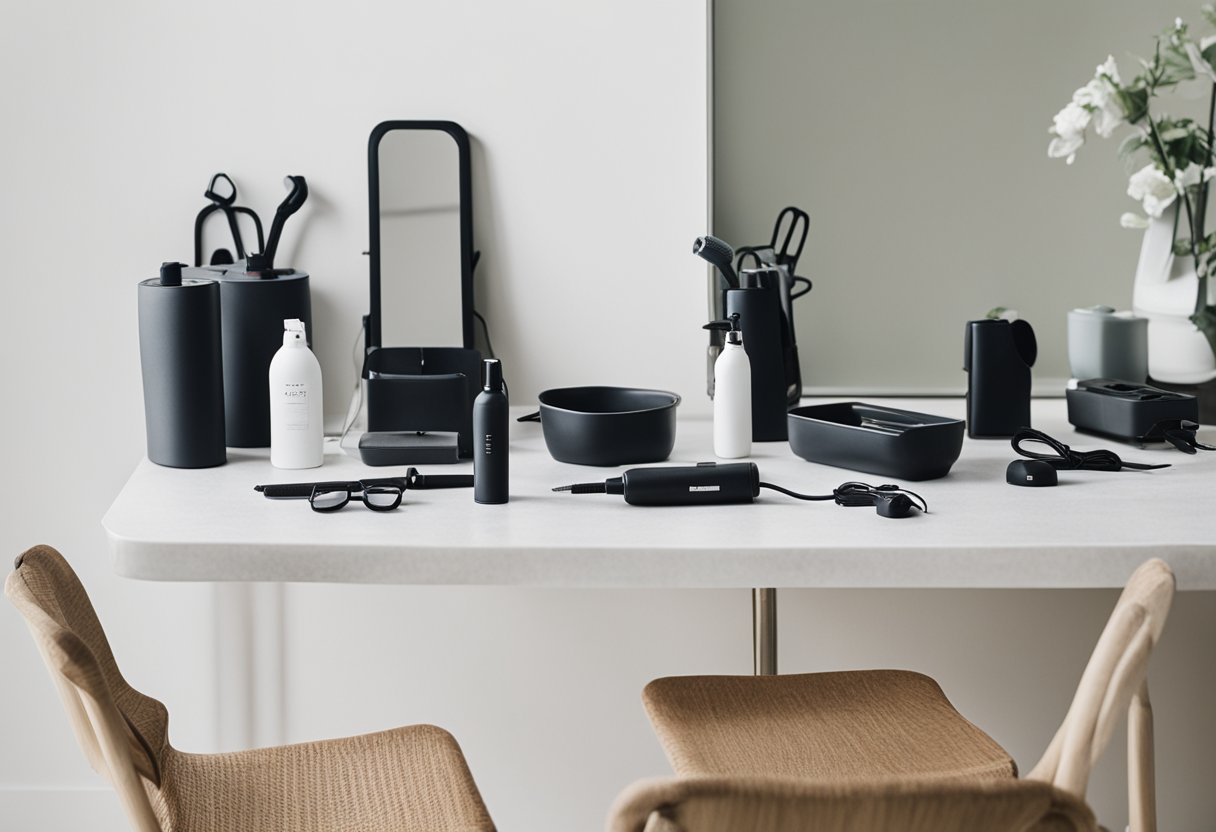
1108 69
1203 68
1100 99
1192 176
1153 188
1068 127
1134 221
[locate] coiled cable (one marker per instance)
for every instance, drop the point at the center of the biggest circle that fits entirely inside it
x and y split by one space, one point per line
1065 458
856 494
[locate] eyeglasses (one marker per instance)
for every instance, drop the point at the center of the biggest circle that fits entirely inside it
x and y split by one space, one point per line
334 496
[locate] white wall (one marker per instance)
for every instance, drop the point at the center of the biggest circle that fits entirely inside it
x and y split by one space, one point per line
589 185
589 182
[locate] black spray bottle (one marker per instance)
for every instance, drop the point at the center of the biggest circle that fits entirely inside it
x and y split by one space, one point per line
490 419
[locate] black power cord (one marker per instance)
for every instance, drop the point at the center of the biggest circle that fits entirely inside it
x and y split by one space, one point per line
1066 459
895 500
1183 435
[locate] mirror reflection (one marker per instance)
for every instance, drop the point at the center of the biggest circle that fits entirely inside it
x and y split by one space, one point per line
420 245
915 136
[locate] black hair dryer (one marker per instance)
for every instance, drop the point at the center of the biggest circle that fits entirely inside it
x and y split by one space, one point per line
997 357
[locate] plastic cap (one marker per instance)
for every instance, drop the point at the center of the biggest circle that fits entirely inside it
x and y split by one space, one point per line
493 381
293 332
171 274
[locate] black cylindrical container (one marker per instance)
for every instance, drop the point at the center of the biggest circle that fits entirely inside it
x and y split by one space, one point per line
253 308
759 308
490 446
183 376
997 356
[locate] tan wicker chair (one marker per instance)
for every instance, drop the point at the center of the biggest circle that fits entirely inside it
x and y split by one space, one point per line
407 779
885 750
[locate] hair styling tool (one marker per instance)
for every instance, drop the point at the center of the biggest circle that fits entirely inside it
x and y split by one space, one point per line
1065 458
297 194
711 483
412 481
222 193
719 254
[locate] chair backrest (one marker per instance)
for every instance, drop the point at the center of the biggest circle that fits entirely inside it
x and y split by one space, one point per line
1115 683
122 732
786 804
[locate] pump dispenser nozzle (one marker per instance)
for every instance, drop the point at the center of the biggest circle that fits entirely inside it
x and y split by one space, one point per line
293 332
493 375
730 327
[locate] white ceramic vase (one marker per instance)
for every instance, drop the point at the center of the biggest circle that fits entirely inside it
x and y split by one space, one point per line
1164 293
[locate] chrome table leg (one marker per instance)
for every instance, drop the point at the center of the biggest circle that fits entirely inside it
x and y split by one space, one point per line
764 631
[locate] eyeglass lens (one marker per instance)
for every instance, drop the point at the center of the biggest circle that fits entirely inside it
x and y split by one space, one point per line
382 497
323 499
375 497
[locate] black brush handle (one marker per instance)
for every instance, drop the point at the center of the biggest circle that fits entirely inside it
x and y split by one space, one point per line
300 490
719 254
296 196
427 481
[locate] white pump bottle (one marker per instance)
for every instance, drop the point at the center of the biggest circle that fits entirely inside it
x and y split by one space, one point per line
732 396
296 430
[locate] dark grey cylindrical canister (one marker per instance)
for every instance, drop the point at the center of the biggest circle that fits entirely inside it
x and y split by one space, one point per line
181 359
759 307
253 310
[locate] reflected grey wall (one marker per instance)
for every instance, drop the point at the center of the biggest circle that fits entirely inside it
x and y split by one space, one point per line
915 135
420 278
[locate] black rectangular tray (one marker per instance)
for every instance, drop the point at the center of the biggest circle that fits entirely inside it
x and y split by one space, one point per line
876 439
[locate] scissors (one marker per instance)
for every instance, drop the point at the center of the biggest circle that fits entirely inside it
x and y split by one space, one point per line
792 224
222 193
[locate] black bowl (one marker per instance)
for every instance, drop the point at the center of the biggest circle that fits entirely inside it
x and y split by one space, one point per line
875 439
608 425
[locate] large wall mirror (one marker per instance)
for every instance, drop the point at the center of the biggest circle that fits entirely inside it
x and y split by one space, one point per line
915 136
421 236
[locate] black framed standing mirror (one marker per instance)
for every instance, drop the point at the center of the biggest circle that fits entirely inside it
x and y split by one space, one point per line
421 235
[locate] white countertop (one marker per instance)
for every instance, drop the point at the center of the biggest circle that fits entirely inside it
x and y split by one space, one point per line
1091 531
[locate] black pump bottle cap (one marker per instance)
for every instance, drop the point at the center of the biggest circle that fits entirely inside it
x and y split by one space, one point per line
171 274
493 381
730 327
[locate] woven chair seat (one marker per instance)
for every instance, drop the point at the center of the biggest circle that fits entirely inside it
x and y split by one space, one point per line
406 779
827 727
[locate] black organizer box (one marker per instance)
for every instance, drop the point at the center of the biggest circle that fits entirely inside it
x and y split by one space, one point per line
423 389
